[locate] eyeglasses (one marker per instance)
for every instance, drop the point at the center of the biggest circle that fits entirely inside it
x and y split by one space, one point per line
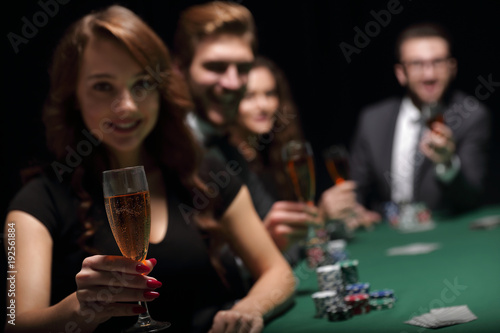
417 66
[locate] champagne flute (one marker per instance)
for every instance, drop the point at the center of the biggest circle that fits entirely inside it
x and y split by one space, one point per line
432 112
298 157
127 202
337 163
299 161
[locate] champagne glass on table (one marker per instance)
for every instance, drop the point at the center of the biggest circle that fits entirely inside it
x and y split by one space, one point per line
298 157
127 202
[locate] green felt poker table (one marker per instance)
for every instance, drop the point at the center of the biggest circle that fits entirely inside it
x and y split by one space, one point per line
464 270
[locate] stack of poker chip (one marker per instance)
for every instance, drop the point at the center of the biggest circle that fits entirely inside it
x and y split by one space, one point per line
316 248
339 313
382 299
336 251
330 278
358 302
357 288
324 300
349 271
341 296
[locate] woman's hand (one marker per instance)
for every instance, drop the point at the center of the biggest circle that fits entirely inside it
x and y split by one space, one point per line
287 222
106 281
231 321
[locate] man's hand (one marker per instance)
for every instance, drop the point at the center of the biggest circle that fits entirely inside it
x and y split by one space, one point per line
339 201
362 217
438 144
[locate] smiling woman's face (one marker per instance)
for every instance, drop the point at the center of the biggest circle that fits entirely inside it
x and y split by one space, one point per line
260 103
116 96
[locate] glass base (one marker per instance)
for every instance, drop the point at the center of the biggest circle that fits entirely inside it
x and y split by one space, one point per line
151 326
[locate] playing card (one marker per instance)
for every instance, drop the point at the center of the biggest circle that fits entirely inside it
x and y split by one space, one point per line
443 317
413 249
487 222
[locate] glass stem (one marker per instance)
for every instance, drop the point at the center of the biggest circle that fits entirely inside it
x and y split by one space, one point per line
144 318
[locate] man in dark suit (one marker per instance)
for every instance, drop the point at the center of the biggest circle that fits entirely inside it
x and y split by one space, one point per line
431 144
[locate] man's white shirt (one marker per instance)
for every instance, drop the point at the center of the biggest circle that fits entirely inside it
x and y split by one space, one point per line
404 157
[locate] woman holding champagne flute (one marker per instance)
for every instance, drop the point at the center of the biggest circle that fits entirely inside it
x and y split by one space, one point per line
267 119
114 102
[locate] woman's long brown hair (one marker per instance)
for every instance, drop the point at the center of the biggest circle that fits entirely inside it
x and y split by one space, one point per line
286 127
171 143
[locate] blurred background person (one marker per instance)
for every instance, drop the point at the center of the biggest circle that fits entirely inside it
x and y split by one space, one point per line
267 119
430 145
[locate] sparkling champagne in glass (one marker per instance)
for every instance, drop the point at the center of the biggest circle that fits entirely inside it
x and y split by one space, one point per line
336 159
127 202
337 163
432 112
300 168
298 157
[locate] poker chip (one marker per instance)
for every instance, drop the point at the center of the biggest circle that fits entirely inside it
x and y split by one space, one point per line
341 295
315 255
316 248
349 271
358 302
356 298
392 213
330 278
323 300
383 293
357 288
381 303
336 245
336 251
339 313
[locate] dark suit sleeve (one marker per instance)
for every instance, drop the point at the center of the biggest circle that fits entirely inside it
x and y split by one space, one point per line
360 163
471 129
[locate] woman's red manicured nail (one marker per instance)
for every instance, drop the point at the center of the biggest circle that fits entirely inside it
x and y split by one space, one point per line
141 268
153 284
151 294
153 261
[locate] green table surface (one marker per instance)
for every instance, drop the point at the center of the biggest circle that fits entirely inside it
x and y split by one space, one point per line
465 270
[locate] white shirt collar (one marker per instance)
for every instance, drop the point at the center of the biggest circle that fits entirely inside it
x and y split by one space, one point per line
409 111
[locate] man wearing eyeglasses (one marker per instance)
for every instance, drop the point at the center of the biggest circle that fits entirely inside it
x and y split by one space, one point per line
429 145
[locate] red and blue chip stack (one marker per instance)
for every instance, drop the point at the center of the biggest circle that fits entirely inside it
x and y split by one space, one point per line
342 296
358 302
382 293
357 288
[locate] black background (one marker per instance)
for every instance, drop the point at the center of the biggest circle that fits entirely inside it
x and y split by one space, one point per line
302 36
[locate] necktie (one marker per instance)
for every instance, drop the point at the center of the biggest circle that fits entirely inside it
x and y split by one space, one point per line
418 159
